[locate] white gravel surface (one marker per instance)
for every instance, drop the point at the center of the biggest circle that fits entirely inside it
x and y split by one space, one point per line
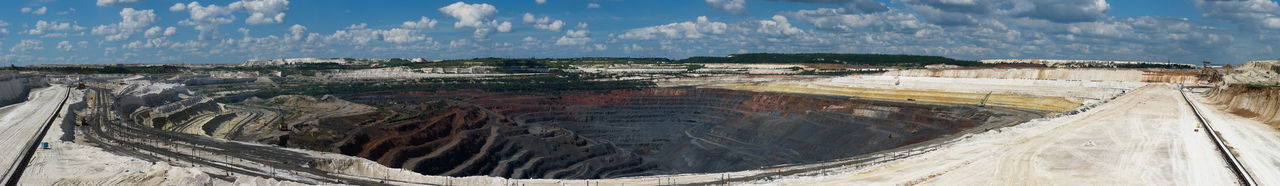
1146 137
1257 145
20 122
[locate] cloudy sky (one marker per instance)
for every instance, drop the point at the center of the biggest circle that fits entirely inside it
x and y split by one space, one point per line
226 31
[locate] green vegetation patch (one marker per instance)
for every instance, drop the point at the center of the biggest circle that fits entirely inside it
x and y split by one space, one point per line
161 69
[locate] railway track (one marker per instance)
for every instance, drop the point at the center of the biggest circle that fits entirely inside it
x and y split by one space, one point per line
1227 153
187 149
20 164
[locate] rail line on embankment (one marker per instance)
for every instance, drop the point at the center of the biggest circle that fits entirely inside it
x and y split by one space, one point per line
20 163
1236 167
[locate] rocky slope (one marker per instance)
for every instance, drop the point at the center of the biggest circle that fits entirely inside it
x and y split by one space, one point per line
1250 90
1261 103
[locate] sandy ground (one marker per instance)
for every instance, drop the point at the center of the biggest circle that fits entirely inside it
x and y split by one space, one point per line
23 120
1079 90
1055 104
1146 137
1256 145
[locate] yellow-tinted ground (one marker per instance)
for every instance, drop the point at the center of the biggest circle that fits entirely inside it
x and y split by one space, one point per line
1055 104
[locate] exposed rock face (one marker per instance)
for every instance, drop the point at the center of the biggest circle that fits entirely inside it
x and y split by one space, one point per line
178 112
12 91
14 87
1261 103
147 94
1251 90
641 132
1161 76
1256 72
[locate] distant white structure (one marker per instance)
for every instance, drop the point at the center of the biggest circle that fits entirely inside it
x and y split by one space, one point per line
293 61
1076 62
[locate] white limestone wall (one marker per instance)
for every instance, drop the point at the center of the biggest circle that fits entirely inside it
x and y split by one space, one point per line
12 91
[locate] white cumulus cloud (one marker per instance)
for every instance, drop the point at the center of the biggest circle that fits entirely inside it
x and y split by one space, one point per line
469 15
693 30
778 26
27 45
39 11
206 19
360 34
735 6
296 32
544 23
504 27
262 11
132 21
43 27
423 23
117 2
1264 13
575 37
478 16
65 46
157 31
170 31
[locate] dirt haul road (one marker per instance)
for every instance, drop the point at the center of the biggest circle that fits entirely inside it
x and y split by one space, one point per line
1146 137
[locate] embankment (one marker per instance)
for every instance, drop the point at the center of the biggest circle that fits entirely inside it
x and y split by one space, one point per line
1120 75
1260 103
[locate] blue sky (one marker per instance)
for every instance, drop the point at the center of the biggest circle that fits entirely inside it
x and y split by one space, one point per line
232 31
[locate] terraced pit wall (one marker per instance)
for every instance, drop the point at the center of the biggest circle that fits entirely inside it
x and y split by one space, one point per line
1122 75
643 132
14 87
1260 103
12 91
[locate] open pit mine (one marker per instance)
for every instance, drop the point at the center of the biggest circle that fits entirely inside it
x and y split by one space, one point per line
820 119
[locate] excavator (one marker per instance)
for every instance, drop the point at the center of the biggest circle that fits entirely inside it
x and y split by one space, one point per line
280 120
983 103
